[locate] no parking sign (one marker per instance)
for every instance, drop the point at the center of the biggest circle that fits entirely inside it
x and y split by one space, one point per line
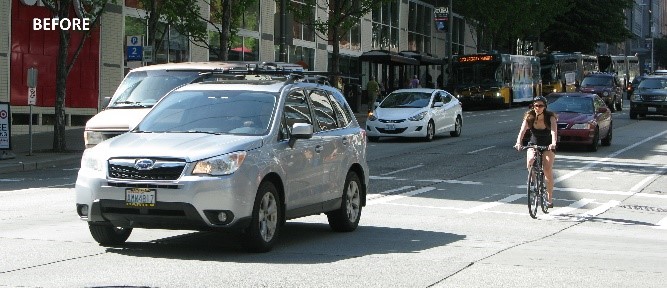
4 126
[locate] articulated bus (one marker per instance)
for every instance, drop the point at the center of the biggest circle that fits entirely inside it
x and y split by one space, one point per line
625 67
586 64
559 72
495 79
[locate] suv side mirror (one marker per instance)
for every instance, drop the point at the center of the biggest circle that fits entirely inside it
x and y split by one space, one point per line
300 131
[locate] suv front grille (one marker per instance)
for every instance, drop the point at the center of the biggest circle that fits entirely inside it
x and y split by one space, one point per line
162 169
653 98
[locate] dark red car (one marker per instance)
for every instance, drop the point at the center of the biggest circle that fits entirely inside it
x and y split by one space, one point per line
583 119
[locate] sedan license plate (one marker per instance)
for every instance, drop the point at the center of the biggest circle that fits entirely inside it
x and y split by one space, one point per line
390 127
140 197
652 109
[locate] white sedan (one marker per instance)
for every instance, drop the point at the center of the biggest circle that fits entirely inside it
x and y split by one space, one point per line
418 112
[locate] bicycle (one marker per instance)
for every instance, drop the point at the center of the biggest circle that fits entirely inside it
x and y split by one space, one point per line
537 190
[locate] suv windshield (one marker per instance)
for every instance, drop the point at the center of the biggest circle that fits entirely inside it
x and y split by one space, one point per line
649 83
216 112
596 81
145 88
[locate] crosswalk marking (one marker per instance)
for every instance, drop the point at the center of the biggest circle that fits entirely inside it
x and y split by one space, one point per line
600 209
388 198
396 190
662 224
485 206
568 209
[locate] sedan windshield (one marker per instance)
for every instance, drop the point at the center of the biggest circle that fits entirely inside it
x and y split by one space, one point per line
653 83
215 112
406 100
579 105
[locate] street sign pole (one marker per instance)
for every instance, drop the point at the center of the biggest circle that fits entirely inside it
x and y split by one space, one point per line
32 100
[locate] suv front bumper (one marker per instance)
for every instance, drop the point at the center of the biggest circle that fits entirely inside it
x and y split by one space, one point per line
648 108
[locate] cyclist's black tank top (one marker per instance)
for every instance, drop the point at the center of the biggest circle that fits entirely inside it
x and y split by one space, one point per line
541 137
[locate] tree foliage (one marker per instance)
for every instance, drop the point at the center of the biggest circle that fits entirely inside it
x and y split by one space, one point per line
91 9
342 16
587 23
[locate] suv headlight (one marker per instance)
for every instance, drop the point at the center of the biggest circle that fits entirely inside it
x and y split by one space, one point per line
636 97
220 165
90 161
419 116
605 93
92 138
581 126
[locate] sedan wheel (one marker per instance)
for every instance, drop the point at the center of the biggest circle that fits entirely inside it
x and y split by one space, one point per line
430 131
346 218
596 141
457 127
606 141
264 227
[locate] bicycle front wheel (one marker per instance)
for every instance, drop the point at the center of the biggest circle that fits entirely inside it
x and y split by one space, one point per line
543 194
533 188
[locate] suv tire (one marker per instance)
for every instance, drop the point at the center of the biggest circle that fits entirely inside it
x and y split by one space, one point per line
619 103
346 218
108 235
266 219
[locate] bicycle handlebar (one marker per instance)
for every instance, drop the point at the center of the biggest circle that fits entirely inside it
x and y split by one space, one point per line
541 148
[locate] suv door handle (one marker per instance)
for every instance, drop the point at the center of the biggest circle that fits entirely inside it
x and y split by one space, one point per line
319 148
344 140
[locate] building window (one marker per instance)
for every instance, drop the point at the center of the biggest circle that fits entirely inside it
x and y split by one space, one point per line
419 27
303 56
352 39
299 30
385 27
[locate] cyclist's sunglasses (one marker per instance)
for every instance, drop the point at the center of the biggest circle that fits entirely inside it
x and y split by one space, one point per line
539 105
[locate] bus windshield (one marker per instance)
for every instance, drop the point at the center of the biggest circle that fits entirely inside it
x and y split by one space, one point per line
482 74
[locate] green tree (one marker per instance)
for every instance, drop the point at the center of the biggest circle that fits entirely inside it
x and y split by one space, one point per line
92 10
505 22
587 23
343 15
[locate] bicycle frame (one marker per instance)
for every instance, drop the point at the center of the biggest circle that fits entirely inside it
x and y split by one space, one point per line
536 186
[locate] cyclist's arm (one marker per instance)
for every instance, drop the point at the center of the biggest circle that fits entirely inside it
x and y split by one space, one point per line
522 131
554 132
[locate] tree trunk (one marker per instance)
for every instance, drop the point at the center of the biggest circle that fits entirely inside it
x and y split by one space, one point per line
59 140
225 29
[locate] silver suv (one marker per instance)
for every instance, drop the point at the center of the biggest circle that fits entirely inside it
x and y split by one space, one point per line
244 151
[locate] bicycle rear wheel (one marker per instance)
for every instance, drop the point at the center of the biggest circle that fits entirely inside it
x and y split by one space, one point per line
533 186
543 195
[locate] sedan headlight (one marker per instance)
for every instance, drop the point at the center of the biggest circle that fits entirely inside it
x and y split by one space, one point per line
419 116
581 126
92 138
220 165
371 117
605 93
90 161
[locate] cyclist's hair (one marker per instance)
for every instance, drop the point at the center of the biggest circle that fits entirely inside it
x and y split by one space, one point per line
530 117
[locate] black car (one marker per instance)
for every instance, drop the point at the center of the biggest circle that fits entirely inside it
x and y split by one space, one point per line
650 97
605 85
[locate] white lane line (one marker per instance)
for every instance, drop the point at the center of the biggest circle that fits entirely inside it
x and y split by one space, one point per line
485 206
385 199
607 158
397 189
381 178
478 150
11 180
401 170
662 224
642 184
600 209
568 209
450 181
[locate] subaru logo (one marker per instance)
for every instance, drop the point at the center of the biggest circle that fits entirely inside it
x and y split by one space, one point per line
144 164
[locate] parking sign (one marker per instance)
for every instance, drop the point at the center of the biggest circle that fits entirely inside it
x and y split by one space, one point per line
135 51
4 126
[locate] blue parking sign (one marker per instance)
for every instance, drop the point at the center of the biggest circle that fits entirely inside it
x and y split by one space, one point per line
135 53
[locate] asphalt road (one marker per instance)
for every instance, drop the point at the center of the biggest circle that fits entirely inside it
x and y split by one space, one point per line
447 213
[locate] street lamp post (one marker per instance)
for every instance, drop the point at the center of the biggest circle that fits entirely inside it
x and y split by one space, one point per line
651 29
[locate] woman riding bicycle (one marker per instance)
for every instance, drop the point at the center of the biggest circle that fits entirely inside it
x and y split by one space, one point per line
543 130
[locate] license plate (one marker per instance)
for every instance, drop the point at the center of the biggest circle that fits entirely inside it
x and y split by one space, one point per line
140 197
652 109
390 127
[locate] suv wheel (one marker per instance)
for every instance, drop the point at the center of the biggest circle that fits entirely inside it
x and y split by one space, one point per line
346 218
265 223
612 106
108 235
619 104
633 115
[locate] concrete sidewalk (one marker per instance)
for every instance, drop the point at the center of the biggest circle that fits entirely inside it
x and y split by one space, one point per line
42 150
42 155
